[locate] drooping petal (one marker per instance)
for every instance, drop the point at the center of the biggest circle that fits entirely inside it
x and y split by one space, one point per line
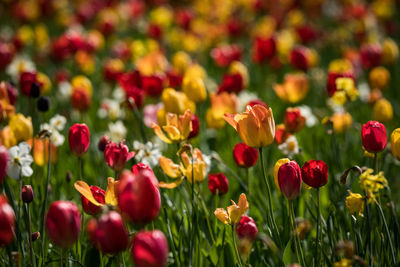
169 167
222 215
160 134
185 124
172 184
110 197
230 118
172 132
84 189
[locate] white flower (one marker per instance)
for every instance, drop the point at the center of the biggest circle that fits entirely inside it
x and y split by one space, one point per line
148 153
244 98
364 91
58 122
290 147
306 112
19 163
118 94
110 108
45 126
65 90
116 131
19 65
57 139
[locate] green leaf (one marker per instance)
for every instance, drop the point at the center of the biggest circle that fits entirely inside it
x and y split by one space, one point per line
288 253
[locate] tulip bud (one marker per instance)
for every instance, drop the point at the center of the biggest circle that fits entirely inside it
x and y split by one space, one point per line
103 142
373 135
98 194
246 228
395 143
150 249
27 194
116 156
35 236
245 156
7 219
218 182
138 196
315 173
79 139
195 126
63 223
43 104
293 120
289 178
108 234
3 162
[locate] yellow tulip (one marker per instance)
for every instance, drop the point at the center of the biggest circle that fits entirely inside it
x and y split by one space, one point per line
21 127
7 137
82 83
44 80
379 78
180 61
255 126
177 129
341 122
194 88
390 51
294 88
395 143
278 164
41 151
176 102
220 104
234 212
383 111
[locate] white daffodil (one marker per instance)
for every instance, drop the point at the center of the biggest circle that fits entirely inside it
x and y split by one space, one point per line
58 122
148 153
306 112
18 65
290 147
20 160
117 131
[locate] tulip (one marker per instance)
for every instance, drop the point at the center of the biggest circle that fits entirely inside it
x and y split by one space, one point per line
194 88
234 212
245 156
395 143
139 167
150 249
255 126
103 142
231 83
3 163
341 122
263 49
379 77
99 195
331 86
176 102
383 111
246 228
108 234
7 222
373 136
195 126
27 194
80 100
138 196
294 88
26 79
371 55
281 134
152 85
177 129
220 104
390 51
315 173
116 156
224 55
63 223
218 183
79 139
293 120
277 165
21 127
289 178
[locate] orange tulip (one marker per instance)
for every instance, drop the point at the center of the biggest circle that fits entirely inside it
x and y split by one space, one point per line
233 213
256 126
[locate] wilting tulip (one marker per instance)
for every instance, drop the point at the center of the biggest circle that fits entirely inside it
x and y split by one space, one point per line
293 120
289 178
79 139
218 183
395 143
373 136
108 234
234 212
98 194
255 126
315 173
245 156
116 156
150 249
63 223
177 129
138 196
383 110
246 228
7 222
3 162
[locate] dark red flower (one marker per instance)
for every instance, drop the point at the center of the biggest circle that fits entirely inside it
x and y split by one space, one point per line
116 156
26 79
152 85
27 194
315 173
289 178
3 162
98 194
150 249
264 49
293 120
154 31
7 222
257 102
7 52
80 99
131 83
103 142
174 79
245 156
246 228
371 55
298 58
195 126
218 182
79 139
374 137
231 83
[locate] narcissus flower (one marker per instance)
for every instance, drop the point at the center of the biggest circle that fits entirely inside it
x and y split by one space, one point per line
372 183
246 228
177 129
245 156
7 218
289 178
395 143
293 89
218 183
79 138
234 212
19 161
354 203
150 249
255 126
63 223
315 173
373 136
116 156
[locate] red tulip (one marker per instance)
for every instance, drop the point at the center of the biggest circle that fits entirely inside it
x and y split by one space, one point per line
281 134
139 167
7 52
98 194
152 85
257 102
80 100
218 182
315 173
117 155
7 222
224 55
150 249
3 162
298 58
26 79
138 196
79 139
263 49
27 194
195 126
231 83
63 223
371 55
108 234
103 142
246 228
245 156
131 82
155 31
374 137
289 178
293 120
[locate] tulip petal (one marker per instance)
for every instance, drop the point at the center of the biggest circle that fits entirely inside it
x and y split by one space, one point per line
171 185
186 124
230 118
169 167
172 132
222 215
160 134
110 198
84 189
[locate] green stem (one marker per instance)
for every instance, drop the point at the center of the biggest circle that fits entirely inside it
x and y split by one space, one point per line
293 229
61 257
247 181
317 263
139 120
296 236
223 245
30 236
235 246
193 217
387 232
171 236
46 195
80 166
375 163
101 259
368 228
